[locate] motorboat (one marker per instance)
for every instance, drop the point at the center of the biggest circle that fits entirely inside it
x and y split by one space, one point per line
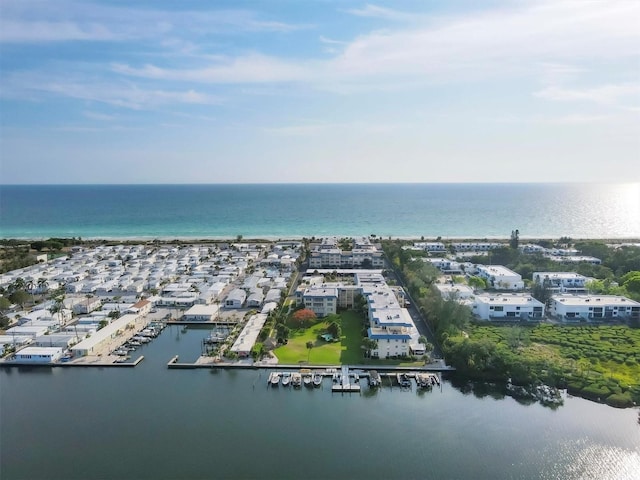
307 379
374 379
403 380
317 380
296 379
286 379
274 379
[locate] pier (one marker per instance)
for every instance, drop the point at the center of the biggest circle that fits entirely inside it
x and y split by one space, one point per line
343 383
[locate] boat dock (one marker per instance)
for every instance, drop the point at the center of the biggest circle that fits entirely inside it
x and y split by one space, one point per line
342 381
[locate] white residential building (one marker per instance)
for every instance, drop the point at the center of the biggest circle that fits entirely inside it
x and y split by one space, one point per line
500 277
94 344
249 334
38 354
235 299
562 282
431 247
593 307
323 300
200 313
446 266
507 306
455 291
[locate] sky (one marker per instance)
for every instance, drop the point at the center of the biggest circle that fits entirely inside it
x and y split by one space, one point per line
318 91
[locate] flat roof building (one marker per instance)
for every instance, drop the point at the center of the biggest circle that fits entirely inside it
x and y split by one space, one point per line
593 307
507 306
500 277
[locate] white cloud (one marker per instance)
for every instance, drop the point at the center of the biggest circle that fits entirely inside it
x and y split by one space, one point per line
373 11
121 94
253 68
581 119
532 39
98 116
609 95
38 21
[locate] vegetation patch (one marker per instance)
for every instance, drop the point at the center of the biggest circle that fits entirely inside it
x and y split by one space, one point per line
346 351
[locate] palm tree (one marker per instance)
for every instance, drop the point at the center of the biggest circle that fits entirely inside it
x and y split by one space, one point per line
18 284
30 285
43 286
309 347
57 307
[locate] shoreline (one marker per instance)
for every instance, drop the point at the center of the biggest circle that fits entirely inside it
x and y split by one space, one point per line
276 238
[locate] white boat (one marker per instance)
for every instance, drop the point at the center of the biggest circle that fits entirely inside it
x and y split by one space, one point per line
286 379
317 380
296 379
274 379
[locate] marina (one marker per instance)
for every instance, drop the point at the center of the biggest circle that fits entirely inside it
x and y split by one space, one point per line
346 380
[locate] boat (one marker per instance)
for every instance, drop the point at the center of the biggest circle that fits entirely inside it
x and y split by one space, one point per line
274 379
335 378
317 379
403 380
296 379
423 380
286 379
374 379
307 379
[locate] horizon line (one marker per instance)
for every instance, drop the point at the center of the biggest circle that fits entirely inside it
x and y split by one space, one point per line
567 182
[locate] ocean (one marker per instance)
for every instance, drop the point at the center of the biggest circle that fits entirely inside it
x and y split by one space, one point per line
297 210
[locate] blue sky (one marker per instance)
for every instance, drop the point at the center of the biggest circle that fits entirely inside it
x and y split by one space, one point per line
319 91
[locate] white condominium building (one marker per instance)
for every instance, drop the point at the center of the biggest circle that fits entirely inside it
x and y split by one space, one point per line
593 307
500 278
507 306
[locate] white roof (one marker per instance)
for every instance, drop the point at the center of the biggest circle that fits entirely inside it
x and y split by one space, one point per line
507 299
47 351
201 310
249 333
595 300
106 332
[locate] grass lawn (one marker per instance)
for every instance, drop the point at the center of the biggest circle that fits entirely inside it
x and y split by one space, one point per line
346 351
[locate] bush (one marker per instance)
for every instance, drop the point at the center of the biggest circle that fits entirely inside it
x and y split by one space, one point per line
595 392
619 400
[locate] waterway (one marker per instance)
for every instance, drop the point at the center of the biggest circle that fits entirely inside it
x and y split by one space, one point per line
150 422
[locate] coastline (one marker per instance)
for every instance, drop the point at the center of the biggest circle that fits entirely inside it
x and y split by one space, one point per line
276 238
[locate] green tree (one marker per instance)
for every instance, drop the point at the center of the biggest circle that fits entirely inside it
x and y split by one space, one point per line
477 282
20 297
5 303
335 329
309 346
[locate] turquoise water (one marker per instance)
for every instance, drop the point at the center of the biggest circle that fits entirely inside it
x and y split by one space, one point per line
289 211
153 423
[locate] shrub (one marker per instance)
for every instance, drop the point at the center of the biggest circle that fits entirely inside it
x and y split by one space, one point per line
619 400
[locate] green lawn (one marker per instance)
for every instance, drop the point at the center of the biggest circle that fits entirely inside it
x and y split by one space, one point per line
346 351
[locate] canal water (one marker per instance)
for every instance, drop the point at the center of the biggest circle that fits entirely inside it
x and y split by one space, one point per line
150 422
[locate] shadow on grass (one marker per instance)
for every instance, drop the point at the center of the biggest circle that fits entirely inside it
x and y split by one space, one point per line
351 341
